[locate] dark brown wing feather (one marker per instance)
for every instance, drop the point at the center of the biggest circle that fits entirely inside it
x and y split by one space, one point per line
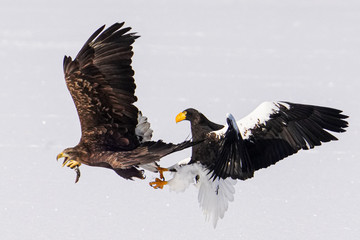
125 163
100 81
147 152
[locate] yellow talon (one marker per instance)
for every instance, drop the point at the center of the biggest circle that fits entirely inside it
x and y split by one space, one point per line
158 183
65 161
72 164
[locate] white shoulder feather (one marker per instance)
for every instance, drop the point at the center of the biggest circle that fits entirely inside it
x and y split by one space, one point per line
260 115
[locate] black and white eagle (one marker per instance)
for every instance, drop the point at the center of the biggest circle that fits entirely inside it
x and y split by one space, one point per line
273 131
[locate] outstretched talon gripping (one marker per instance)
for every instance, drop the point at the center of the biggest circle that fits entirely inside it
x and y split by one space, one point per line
161 172
71 164
158 183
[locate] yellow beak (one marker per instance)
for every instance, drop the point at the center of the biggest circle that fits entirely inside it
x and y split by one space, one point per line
62 155
181 116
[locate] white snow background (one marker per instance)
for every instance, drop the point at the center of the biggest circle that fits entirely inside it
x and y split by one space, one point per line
217 56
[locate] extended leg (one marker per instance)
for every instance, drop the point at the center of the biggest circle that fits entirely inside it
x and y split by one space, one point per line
161 172
158 183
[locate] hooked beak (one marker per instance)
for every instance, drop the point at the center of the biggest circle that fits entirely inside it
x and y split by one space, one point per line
181 116
63 155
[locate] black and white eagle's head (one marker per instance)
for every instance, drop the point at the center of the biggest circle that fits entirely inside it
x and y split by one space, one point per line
190 114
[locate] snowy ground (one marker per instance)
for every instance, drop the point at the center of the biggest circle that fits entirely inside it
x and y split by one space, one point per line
217 56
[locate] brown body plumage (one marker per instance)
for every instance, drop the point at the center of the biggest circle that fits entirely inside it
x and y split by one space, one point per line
100 81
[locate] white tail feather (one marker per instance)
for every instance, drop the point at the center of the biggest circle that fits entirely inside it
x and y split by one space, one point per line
214 196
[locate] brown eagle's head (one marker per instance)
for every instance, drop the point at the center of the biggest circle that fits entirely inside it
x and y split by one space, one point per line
72 160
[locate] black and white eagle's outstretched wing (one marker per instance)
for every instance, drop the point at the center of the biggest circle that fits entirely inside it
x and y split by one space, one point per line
275 130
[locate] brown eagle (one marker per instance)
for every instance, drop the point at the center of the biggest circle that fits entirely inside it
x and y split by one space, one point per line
114 134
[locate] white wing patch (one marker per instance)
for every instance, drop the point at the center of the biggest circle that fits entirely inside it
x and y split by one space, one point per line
142 129
144 134
214 196
259 116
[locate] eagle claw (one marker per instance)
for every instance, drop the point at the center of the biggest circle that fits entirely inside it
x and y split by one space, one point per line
71 164
158 183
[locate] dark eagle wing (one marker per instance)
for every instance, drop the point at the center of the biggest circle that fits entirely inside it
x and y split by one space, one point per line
233 159
100 81
275 130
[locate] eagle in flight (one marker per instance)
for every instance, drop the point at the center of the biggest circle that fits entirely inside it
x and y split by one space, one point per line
114 133
226 153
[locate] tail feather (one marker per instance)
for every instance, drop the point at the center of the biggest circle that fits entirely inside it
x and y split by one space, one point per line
214 196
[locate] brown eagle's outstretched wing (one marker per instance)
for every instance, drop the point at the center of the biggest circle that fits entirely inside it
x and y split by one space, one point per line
113 132
100 81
